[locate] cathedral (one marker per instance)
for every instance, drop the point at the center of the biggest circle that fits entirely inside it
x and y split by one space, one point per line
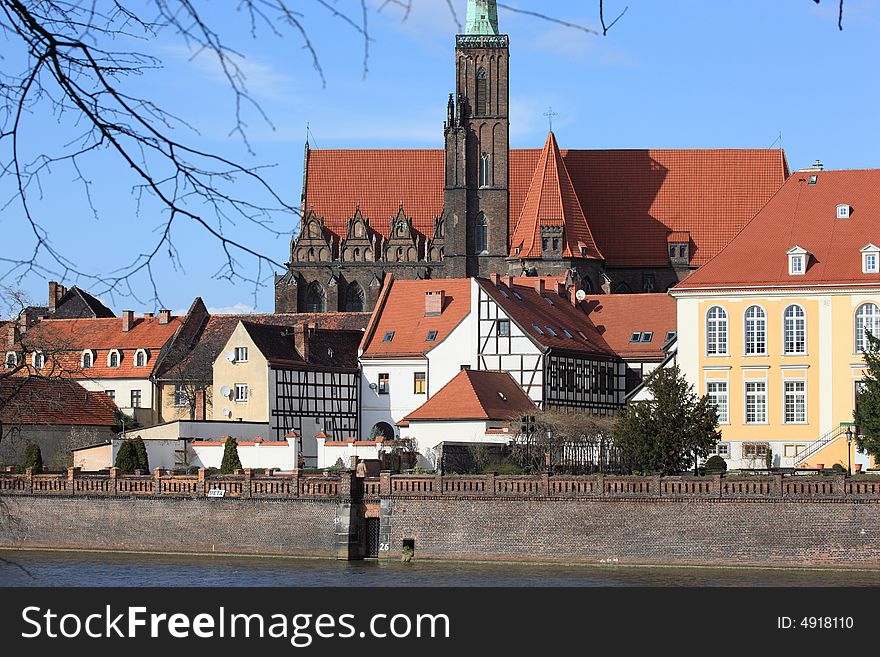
607 221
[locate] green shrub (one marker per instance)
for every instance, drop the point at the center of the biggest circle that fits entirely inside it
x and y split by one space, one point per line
837 467
140 451
716 464
33 457
503 468
126 458
230 462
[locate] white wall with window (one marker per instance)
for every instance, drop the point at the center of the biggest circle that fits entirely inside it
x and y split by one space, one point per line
718 394
755 331
794 330
755 401
716 331
867 319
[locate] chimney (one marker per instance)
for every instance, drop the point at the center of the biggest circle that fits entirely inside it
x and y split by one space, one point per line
56 292
301 340
508 281
539 286
164 316
434 303
200 404
127 320
560 288
13 335
496 279
148 315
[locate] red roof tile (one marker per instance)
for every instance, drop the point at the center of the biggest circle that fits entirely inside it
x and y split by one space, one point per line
804 215
38 401
618 316
552 200
632 198
401 310
475 395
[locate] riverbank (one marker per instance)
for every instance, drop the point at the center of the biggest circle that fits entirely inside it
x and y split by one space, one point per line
101 569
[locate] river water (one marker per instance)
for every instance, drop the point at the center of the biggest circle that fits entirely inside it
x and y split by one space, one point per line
45 568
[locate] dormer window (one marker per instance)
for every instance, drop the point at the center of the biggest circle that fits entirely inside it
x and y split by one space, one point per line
87 359
113 358
871 259
11 360
843 211
389 336
38 360
140 358
797 261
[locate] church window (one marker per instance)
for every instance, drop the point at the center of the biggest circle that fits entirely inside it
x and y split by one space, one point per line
482 92
545 243
355 298
555 244
648 282
481 235
316 300
485 170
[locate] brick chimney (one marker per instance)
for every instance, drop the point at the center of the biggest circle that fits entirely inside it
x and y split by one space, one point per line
301 340
560 288
127 320
56 292
539 286
200 404
148 315
13 335
508 281
434 303
496 279
164 316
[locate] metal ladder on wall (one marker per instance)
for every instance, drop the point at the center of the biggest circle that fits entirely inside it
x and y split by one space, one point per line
822 442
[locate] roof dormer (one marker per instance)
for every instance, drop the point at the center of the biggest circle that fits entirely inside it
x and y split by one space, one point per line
870 259
843 211
798 260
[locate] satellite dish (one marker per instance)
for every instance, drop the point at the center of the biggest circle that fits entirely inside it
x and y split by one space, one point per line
580 295
225 390
227 412
230 356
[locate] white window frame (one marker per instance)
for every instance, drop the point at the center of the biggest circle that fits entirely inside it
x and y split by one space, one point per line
240 388
794 394
720 322
758 395
794 321
722 449
118 358
38 356
241 354
759 330
140 396
180 395
82 359
10 363
141 352
843 211
797 261
485 170
862 323
871 254
723 417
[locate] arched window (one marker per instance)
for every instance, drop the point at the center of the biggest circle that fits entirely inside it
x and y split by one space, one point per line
113 359
756 331
140 358
382 430
485 170
867 319
11 359
316 299
482 92
38 360
88 359
355 299
481 236
716 331
795 329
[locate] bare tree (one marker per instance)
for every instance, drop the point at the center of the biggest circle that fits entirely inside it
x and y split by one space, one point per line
564 441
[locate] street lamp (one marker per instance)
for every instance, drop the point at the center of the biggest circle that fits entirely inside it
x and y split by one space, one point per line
849 439
549 452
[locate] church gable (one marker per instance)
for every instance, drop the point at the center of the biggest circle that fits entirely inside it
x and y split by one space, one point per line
315 243
403 243
360 240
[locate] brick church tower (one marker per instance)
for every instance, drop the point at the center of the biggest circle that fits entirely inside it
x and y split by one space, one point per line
477 132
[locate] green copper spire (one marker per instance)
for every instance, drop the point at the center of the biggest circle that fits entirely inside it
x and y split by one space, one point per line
482 17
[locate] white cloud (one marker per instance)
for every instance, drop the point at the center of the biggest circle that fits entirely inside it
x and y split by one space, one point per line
237 309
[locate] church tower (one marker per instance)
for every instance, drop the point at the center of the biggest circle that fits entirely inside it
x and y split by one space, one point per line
477 193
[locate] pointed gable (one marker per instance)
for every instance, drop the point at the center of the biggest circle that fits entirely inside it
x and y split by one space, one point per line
552 206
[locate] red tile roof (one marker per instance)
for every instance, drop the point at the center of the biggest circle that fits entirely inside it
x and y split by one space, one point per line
64 340
618 316
401 310
475 395
804 215
631 198
38 401
530 310
552 200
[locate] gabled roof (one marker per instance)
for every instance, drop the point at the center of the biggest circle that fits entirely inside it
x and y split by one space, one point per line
93 307
552 199
475 395
618 316
195 363
401 310
549 312
633 198
39 401
332 349
802 215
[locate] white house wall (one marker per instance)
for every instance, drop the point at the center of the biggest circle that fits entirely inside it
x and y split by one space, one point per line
400 400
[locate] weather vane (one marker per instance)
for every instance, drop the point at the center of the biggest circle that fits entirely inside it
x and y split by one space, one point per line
550 114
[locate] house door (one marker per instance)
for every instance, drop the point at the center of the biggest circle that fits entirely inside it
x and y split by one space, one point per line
372 538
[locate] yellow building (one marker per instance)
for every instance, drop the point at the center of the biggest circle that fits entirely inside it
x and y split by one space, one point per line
772 329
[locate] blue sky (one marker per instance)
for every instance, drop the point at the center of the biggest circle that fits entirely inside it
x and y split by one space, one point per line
672 74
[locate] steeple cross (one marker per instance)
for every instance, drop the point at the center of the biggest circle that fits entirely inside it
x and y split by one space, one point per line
550 114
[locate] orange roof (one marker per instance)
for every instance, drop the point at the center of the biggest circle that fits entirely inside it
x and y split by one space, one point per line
803 215
678 236
475 395
38 401
63 341
401 311
632 198
618 316
552 200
